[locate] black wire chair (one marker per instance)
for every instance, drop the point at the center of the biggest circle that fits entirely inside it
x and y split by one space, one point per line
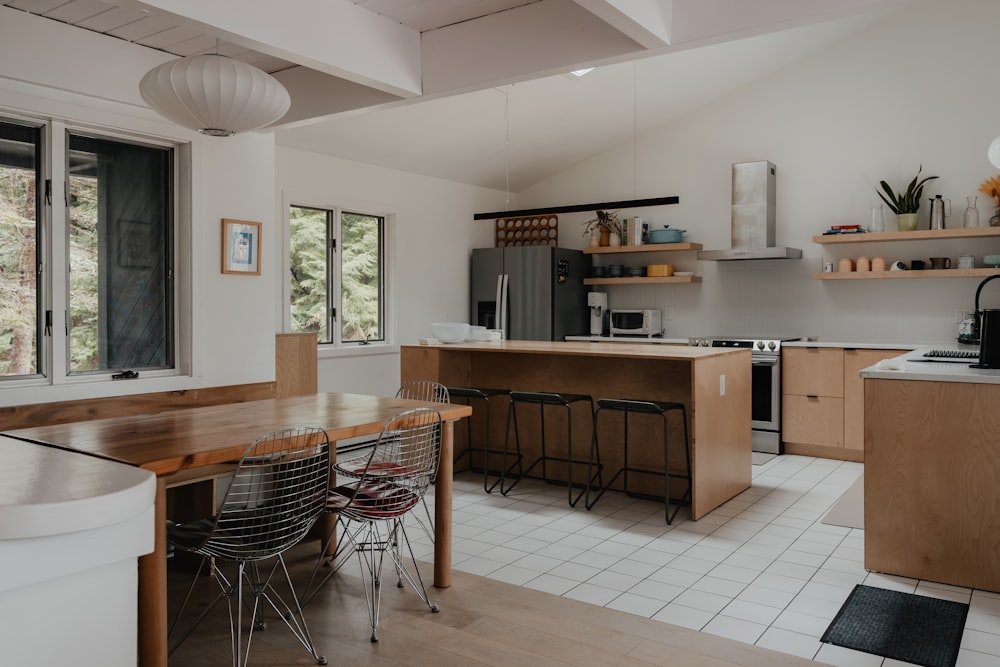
278 491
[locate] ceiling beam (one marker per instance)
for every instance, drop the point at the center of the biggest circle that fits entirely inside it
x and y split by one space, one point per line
335 37
648 22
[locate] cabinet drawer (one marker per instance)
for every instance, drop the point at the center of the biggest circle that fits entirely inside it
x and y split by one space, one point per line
813 420
813 371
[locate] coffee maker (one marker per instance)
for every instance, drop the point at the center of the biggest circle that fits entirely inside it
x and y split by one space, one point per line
598 302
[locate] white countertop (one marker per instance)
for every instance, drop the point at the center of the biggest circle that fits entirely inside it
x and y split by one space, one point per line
904 367
630 339
47 491
852 345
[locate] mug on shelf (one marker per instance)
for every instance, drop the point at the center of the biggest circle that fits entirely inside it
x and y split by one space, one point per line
916 264
863 264
940 262
878 263
966 262
846 265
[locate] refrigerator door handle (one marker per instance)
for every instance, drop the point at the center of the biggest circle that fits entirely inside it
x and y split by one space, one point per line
502 292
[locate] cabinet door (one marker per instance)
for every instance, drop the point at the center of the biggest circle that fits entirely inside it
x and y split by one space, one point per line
854 395
813 420
813 371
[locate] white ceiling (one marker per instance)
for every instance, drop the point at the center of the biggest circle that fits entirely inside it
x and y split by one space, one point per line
477 91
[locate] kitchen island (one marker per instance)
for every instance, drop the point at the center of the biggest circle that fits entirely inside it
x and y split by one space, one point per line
932 471
713 383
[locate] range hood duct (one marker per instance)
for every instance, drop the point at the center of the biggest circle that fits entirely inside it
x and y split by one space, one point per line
753 216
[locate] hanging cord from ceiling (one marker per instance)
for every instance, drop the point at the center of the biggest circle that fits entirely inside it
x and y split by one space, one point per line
635 129
506 143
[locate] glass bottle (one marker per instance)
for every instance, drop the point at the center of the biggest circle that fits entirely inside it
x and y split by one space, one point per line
971 213
878 222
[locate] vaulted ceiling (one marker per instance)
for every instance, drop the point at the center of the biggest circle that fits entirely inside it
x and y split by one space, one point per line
478 91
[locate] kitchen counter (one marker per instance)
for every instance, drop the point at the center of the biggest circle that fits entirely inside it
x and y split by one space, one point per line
853 345
629 339
932 471
71 529
911 367
713 383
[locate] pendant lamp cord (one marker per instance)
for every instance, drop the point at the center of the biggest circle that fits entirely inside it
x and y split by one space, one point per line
506 143
635 130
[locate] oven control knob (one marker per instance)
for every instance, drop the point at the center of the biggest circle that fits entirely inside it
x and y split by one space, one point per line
704 342
771 346
760 345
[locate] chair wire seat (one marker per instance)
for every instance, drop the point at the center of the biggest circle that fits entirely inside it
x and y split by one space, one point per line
277 492
372 506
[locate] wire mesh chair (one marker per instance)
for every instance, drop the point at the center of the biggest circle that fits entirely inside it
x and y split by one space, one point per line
432 392
278 490
394 480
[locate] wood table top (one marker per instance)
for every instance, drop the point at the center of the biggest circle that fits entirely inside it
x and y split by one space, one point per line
170 441
590 349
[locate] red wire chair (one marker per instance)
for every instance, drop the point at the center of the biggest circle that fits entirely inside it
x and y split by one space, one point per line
390 482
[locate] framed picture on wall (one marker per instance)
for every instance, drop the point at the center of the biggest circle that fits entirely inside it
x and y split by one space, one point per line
241 247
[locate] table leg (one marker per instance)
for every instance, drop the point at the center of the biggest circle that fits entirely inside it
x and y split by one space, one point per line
153 589
442 508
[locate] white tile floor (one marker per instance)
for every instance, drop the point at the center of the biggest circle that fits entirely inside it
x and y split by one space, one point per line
761 569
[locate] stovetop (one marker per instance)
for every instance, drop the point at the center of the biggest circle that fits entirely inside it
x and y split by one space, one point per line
760 345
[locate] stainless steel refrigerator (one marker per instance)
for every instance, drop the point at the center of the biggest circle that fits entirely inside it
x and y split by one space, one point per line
532 292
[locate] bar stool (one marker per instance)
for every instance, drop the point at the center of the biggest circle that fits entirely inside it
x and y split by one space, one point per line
543 399
484 395
661 408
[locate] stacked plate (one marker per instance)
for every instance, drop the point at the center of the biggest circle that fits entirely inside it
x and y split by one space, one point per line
660 270
635 271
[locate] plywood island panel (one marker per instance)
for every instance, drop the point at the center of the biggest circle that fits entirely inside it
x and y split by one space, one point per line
932 481
714 385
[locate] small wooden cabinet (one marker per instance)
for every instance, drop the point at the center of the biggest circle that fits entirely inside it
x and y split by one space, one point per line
823 400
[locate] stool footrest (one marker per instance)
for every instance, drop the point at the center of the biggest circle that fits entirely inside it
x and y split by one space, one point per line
653 407
548 398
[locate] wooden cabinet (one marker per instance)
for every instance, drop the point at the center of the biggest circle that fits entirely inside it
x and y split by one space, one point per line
812 381
823 400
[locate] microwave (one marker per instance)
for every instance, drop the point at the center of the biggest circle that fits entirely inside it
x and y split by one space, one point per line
641 322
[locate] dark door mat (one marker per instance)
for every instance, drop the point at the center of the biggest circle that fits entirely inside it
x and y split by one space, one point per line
913 628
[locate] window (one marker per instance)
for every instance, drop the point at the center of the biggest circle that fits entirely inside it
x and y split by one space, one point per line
337 279
113 232
20 196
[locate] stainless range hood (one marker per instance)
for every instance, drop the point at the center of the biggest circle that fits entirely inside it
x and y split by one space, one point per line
753 217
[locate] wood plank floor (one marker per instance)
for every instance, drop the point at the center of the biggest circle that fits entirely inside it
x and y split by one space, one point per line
481 622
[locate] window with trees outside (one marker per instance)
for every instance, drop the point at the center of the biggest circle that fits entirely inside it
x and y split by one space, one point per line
337 281
111 235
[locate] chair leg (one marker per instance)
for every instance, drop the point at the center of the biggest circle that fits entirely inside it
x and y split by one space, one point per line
505 469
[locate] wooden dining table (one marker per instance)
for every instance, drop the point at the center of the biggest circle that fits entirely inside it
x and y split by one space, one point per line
169 442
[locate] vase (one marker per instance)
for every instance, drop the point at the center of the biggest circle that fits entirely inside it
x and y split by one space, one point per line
605 239
614 240
995 219
907 222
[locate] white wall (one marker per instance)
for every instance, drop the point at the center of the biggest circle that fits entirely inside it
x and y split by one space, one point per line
916 88
232 328
432 237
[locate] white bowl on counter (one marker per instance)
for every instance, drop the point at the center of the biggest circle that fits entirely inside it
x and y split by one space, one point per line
450 332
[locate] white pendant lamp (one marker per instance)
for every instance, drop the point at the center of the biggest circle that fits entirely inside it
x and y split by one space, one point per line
993 153
214 94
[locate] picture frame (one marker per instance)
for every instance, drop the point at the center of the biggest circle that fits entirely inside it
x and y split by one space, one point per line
241 247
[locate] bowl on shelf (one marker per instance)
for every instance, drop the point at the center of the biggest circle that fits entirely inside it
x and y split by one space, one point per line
616 270
450 332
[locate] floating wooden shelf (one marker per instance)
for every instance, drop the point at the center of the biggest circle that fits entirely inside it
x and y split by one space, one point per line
926 273
649 247
641 280
917 235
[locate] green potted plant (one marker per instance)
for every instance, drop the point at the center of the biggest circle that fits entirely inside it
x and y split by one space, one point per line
905 204
606 223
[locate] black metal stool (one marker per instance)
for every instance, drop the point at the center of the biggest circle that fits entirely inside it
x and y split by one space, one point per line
660 408
542 399
470 393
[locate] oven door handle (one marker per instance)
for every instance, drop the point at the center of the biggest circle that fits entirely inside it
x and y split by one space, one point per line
764 360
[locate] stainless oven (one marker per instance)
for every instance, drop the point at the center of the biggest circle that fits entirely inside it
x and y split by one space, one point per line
765 386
